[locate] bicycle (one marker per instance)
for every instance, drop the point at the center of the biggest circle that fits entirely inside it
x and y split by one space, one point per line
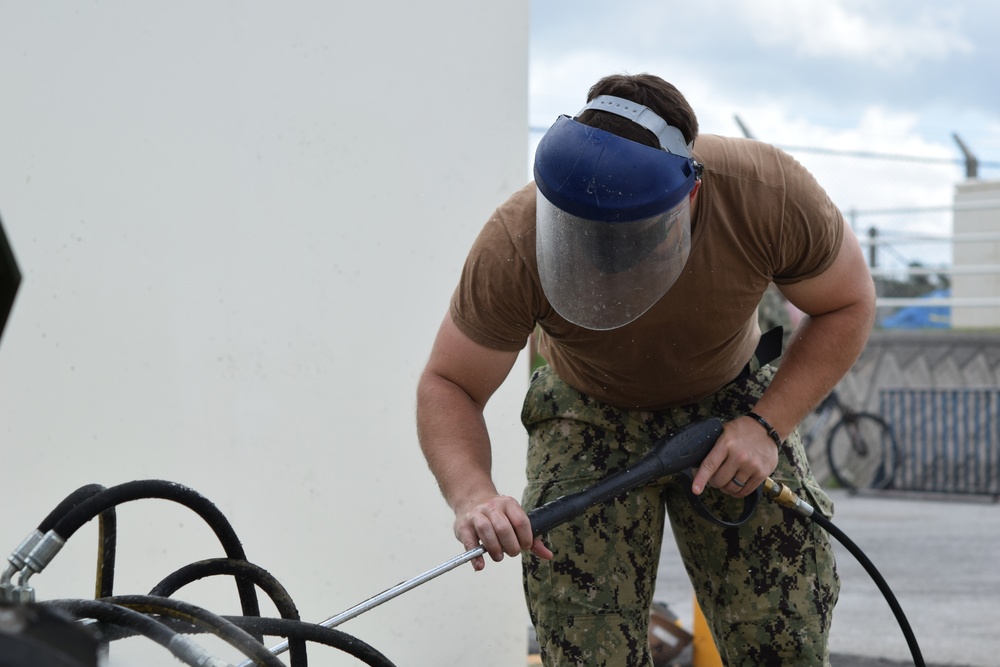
860 447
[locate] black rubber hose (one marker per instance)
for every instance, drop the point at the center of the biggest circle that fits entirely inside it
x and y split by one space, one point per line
228 566
239 568
134 622
107 535
281 627
202 618
314 633
897 610
146 489
68 503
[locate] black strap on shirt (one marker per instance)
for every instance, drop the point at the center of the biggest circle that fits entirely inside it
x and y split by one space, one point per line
769 346
768 349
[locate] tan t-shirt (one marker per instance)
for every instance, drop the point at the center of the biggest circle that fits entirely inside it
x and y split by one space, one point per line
759 217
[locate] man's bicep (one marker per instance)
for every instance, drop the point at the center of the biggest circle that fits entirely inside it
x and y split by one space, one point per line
477 369
846 282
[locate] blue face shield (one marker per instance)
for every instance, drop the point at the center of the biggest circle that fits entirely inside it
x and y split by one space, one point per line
613 217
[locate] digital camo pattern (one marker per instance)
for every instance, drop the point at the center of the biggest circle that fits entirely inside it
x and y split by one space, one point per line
767 588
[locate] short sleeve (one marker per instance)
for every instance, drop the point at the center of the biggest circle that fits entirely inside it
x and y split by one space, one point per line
812 226
496 299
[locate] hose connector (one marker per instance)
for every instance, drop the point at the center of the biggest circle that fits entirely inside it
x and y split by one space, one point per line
785 497
15 563
41 555
17 557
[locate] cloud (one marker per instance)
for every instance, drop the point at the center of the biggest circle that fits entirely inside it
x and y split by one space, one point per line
842 54
859 32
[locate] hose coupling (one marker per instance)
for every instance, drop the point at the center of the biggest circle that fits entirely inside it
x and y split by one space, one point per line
41 555
16 559
785 497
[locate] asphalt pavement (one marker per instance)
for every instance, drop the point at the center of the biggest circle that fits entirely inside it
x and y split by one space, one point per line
940 556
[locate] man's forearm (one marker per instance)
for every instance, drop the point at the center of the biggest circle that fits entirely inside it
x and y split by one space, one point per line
453 436
822 350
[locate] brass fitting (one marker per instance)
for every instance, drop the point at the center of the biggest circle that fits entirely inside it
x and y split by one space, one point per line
784 496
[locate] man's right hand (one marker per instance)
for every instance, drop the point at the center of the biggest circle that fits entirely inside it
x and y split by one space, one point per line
454 388
501 526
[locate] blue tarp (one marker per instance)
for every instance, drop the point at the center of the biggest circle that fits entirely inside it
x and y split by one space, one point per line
921 317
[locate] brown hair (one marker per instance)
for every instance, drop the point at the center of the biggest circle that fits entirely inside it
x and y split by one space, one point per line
646 89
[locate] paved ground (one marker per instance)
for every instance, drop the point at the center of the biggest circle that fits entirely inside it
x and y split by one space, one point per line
939 555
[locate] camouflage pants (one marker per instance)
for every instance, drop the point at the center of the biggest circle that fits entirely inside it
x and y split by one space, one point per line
767 588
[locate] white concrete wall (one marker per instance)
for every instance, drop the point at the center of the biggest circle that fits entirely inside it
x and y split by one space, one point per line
239 224
977 211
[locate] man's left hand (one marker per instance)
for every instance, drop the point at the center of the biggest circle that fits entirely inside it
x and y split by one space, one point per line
742 458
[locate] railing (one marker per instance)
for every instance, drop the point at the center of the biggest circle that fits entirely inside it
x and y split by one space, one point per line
948 439
873 239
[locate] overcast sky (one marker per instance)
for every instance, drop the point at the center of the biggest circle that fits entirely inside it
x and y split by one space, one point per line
893 76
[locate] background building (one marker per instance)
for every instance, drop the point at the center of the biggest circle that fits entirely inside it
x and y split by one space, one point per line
977 255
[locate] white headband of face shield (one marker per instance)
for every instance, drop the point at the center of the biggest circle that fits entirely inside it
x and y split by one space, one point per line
671 138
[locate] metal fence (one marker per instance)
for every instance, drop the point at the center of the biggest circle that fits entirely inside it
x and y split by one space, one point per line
948 440
874 241
905 226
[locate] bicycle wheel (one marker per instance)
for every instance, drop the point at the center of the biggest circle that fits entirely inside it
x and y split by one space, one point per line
861 450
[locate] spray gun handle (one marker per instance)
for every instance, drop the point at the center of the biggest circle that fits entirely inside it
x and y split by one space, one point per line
668 456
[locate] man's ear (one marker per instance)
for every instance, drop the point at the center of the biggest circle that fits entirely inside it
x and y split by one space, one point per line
694 190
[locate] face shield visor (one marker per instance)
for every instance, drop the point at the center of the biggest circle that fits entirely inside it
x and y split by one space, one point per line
613 227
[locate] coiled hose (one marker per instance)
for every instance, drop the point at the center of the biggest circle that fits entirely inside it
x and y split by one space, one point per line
202 619
245 570
99 502
165 620
182 648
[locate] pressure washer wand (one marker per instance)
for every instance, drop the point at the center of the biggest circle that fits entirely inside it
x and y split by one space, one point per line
668 456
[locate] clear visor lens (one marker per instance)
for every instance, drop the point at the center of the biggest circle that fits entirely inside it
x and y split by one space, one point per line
602 275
